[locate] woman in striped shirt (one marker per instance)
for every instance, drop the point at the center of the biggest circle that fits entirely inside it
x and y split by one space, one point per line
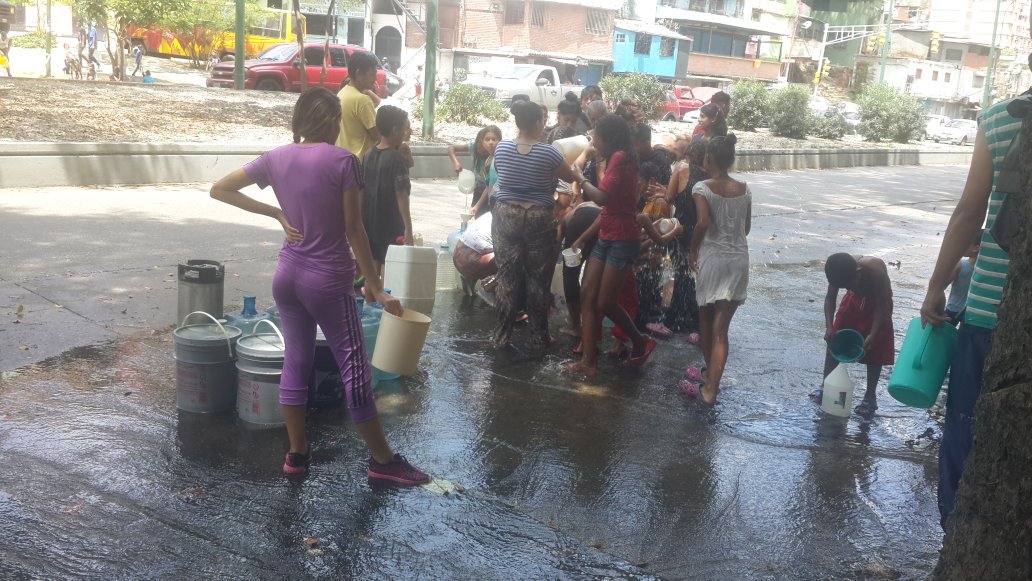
524 223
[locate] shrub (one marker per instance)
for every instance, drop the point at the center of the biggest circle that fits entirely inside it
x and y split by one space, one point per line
885 113
830 125
467 104
749 105
36 39
790 112
645 89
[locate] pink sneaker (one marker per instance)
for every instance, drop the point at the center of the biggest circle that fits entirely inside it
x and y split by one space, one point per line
398 471
296 463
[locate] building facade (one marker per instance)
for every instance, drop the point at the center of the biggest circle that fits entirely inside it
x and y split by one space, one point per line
641 47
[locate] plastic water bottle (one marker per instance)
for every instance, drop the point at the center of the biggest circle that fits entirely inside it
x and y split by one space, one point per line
246 319
447 278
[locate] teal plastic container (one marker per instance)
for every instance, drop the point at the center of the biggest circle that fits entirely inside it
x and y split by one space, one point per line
246 319
922 364
847 346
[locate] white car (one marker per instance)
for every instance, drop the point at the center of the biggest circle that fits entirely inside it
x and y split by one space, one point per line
960 131
819 105
933 123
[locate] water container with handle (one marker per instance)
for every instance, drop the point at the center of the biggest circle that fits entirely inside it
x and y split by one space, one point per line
400 341
571 147
837 399
259 367
922 364
467 181
206 377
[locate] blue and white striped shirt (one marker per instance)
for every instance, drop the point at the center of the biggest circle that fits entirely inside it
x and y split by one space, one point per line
526 177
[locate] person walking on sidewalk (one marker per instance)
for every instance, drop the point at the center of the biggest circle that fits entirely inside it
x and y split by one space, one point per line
91 45
5 51
318 188
138 55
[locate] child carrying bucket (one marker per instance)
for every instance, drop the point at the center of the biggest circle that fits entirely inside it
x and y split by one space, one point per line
866 308
313 281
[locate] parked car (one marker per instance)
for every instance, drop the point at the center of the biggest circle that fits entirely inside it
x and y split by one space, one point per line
278 69
702 95
677 102
851 113
819 105
960 131
539 83
933 123
394 83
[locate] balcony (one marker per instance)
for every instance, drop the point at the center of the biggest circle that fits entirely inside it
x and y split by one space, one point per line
729 8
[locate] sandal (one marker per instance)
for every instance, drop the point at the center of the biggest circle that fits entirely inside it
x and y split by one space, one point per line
695 374
690 389
639 360
659 329
693 338
866 409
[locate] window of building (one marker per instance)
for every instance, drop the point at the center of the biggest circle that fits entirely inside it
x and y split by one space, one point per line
667 46
917 74
977 82
720 44
642 43
514 12
947 79
537 14
697 5
597 21
620 37
954 54
935 75
757 14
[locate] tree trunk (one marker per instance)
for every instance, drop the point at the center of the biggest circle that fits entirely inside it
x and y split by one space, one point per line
326 44
299 30
989 533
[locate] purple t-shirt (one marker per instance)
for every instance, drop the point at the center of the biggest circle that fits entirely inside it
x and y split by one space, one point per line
309 181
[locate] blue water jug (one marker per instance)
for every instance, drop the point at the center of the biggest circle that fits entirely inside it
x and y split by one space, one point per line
922 364
246 319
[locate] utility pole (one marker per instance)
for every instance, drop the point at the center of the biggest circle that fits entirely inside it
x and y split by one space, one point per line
887 47
238 50
50 35
430 68
987 92
820 59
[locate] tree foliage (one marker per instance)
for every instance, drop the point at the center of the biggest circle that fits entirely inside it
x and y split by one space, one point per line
885 113
790 112
120 15
751 105
467 104
645 89
830 125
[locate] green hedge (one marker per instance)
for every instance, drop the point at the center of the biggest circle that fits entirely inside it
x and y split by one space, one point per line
37 39
790 112
645 89
750 106
885 113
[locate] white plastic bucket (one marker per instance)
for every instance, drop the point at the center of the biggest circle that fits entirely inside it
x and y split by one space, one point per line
411 274
572 256
259 367
400 341
572 147
837 399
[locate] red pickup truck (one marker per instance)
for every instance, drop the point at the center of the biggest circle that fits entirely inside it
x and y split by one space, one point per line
278 69
679 101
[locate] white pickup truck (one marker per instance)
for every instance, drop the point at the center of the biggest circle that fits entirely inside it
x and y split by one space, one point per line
538 82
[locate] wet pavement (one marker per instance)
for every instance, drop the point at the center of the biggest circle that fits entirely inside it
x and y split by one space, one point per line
561 478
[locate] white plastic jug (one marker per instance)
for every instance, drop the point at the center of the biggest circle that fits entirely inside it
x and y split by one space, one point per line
447 277
838 393
572 147
467 181
411 272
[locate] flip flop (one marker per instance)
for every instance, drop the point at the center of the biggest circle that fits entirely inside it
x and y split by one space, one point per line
650 346
659 329
866 409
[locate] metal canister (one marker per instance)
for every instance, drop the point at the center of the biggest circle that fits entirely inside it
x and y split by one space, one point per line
201 288
205 365
259 367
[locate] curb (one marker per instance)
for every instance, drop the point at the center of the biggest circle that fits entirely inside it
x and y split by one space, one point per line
27 165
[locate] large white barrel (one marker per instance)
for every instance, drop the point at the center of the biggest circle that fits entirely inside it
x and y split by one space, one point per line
411 274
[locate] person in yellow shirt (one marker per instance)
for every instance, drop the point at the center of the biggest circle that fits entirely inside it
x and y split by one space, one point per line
358 132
